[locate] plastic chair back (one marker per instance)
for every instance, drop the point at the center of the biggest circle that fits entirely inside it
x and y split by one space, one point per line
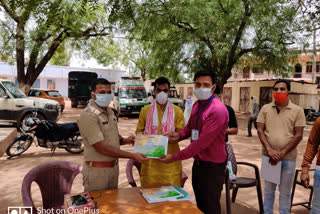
232 158
54 179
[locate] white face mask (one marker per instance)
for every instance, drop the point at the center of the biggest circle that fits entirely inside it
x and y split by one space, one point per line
103 100
202 93
162 98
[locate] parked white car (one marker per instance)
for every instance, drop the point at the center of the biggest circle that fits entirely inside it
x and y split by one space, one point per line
16 107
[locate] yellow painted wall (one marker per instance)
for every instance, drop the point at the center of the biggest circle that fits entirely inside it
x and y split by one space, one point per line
296 87
254 90
185 89
305 100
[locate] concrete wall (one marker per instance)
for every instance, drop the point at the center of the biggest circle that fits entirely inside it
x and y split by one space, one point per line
185 89
61 84
147 85
296 87
306 100
254 90
238 75
6 137
305 88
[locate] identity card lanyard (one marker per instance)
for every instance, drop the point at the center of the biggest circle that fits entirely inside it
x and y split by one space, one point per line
195 132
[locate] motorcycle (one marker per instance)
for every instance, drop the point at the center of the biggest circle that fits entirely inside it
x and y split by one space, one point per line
47 134
311 114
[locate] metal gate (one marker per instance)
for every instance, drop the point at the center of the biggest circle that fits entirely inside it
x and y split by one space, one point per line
244 99
265 96
227 95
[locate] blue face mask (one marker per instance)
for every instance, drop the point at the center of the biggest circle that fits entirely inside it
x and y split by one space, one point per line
103 100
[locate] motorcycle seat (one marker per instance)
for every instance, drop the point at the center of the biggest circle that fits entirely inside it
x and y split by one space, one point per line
67 129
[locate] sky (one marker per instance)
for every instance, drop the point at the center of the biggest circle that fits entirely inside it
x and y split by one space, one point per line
78 62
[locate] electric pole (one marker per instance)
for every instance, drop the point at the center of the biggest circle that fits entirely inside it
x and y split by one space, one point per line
314 55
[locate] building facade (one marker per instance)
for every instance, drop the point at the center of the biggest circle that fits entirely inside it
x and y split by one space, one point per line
302 71
238 94
56 77
255 81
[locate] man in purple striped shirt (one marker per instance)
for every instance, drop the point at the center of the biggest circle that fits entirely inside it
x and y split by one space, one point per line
207 128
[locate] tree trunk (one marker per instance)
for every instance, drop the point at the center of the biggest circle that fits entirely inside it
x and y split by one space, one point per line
221 80
220 85
34 71
25 88
143 74
30 79
20 56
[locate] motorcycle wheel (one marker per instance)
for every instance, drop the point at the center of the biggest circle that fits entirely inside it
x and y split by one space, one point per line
21 124
19 145
309 118
76 146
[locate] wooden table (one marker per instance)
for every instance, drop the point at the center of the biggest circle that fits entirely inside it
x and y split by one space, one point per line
130 200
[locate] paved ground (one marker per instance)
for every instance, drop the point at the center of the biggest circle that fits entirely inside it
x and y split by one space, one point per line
246 149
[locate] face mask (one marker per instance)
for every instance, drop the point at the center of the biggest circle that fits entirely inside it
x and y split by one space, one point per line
202 93
280 97
162 98
103 100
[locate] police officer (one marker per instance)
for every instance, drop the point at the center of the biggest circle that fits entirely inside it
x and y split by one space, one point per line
101 139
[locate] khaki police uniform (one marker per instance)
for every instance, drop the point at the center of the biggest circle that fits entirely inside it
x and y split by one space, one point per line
100 171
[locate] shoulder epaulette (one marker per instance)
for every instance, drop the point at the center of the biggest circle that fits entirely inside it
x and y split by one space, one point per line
92 109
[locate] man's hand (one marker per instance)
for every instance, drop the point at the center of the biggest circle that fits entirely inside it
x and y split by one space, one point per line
129 140
166 158
172 136
284 151
305 179
275 155
139 157
273 162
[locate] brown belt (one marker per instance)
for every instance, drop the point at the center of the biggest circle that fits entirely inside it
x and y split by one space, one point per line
102 164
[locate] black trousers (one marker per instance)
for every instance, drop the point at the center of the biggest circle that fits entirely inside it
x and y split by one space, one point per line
250 125
207 182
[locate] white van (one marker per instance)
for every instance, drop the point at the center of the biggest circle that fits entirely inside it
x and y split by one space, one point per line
130 96
16 107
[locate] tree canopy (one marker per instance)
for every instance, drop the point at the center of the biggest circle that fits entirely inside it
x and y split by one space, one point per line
214 34
61 57
31 31
170 38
